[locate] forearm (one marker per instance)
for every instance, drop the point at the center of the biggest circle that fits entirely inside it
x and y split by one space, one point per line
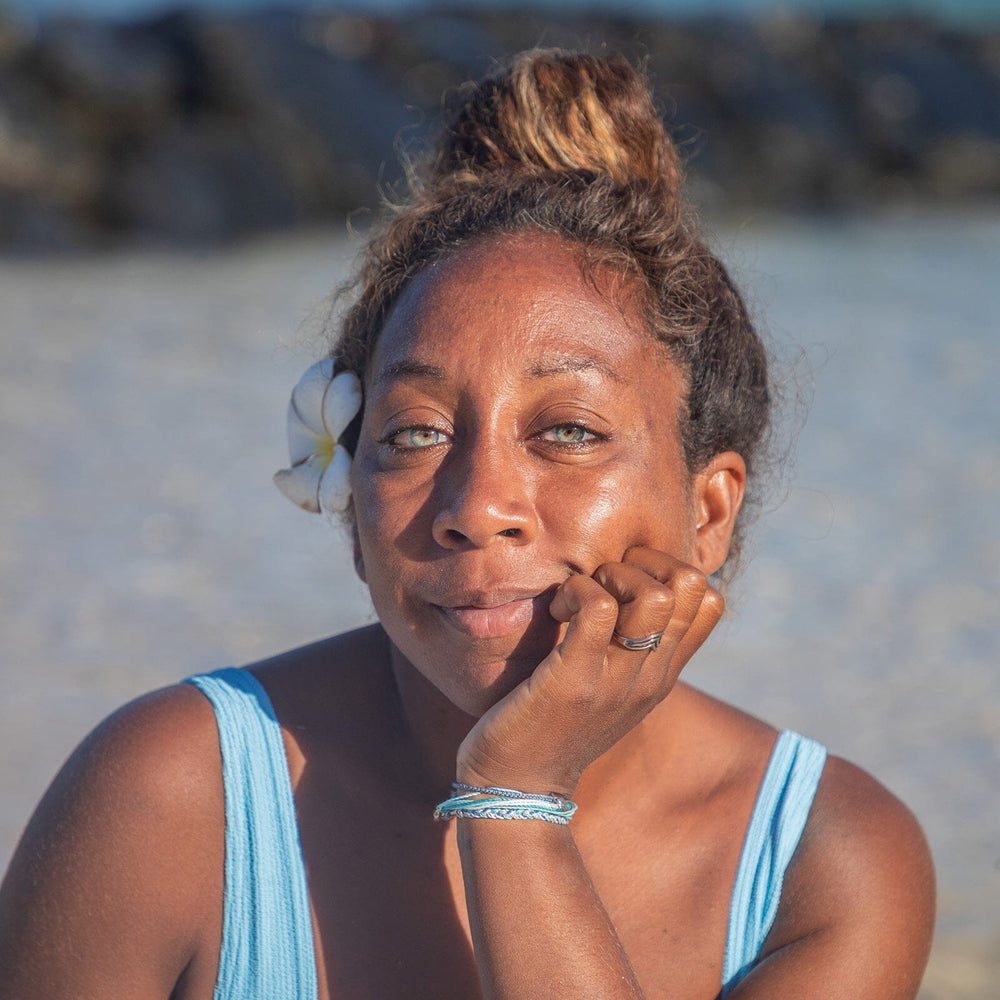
538 925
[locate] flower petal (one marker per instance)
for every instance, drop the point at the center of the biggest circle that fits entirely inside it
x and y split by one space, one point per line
341 403
307 396
335 486
303 441
301 483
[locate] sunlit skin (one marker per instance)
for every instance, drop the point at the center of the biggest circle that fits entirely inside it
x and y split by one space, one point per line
521 426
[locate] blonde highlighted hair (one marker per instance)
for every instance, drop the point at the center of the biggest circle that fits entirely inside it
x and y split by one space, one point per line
554 112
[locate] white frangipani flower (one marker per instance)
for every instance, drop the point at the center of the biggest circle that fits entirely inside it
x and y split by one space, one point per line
319 411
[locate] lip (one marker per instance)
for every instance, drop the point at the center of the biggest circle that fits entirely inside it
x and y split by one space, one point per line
489 615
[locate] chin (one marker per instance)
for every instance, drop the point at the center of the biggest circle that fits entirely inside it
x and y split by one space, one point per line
474 673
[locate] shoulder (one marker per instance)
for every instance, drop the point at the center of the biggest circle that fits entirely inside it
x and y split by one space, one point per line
123 857
331 695
860 830
857 902
860 886
157 754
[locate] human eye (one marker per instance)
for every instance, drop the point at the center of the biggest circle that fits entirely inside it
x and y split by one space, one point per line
411 439
571 436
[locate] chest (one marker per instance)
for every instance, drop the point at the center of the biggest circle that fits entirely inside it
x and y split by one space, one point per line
390 917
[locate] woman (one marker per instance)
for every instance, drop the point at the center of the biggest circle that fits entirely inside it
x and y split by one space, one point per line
548 406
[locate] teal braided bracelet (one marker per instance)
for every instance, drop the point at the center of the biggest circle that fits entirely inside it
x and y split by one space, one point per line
505 803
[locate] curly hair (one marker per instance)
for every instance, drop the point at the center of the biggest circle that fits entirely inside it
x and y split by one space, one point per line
573 145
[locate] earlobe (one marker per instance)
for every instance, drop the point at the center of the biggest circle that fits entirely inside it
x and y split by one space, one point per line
719 489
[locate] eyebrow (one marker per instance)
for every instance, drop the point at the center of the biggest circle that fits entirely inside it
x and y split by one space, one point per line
570 365
409 368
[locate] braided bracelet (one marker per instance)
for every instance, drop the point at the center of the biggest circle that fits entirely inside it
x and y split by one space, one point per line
492 802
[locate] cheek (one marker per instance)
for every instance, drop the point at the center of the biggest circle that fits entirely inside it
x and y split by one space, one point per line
592 520
392 518
587 526
647 505
369 509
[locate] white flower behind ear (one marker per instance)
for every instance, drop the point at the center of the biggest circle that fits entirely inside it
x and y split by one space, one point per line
321 407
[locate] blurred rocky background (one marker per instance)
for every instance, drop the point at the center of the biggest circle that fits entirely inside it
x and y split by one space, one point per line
200 127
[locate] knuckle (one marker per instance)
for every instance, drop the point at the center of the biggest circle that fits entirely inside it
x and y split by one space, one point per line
603 608
576 697
690 581
659 599
713 602
569 595
649 559
651 690
647 689
641 553
579 590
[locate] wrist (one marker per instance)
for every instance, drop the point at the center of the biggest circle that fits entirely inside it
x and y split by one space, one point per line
529 782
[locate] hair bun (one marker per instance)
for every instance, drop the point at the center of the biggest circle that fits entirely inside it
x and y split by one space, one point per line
550 110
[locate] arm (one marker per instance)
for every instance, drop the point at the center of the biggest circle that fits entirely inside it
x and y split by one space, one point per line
538 924
117 878
529 876
857 908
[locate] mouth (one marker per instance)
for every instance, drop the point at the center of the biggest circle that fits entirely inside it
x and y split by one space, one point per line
496 614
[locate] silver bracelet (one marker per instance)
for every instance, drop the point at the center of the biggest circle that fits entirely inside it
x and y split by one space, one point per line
492 802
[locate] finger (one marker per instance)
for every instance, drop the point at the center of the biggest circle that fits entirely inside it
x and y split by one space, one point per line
697 610
682 638
688 585
645 607
710 611
591 613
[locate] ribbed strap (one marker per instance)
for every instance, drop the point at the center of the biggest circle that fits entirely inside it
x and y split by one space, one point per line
267 941
779 816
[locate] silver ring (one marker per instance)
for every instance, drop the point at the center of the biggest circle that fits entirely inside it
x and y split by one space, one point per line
646 642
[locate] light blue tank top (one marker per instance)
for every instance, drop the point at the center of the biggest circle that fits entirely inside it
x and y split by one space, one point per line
267 938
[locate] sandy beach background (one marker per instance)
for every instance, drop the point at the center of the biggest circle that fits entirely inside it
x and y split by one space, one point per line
142 405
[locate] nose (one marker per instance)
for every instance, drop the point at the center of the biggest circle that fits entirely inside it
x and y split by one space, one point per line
485 498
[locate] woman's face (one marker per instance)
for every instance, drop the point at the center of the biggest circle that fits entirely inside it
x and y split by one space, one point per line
520 426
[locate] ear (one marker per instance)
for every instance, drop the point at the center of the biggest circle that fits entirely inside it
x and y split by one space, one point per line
719 489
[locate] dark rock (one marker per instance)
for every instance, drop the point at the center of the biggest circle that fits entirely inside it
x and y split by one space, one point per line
31 223
114 70
315 111
197 126
50 175
910 90
961 167
200 181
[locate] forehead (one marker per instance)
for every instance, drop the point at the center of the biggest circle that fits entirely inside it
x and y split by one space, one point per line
513 301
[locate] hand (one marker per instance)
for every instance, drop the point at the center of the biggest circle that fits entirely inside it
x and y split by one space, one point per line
589 691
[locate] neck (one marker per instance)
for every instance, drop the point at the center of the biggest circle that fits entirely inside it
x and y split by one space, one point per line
432 728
